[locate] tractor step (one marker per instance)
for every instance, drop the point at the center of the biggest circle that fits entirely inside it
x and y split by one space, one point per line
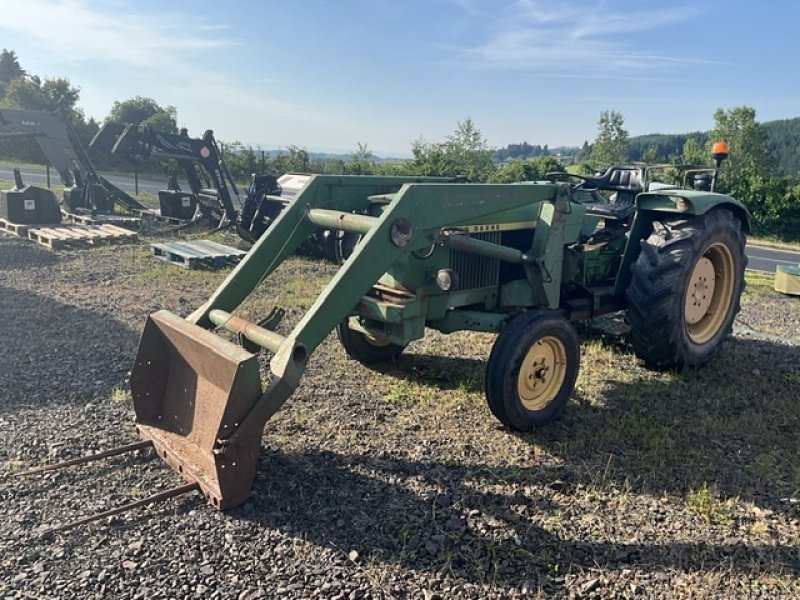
79 236
196 254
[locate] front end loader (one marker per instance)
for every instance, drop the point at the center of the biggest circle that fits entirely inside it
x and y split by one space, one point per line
521 260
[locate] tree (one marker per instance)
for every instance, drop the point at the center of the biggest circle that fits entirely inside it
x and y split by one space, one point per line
296 160
652 156
241 160
749 173
53 94
468 152
693 154
611 144
526 170
747 140
145 110
10 69
362 161
334 166
465 153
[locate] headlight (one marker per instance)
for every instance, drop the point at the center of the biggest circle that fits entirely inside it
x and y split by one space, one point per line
447 280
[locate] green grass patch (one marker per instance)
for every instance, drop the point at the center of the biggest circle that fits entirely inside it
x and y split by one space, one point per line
758 284
403 391
765 466
705 504
120 395
774 242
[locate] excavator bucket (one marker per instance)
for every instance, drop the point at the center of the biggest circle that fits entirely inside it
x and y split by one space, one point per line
191 391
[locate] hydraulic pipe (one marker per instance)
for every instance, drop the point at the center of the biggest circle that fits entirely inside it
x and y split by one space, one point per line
459 241
334 219
258 335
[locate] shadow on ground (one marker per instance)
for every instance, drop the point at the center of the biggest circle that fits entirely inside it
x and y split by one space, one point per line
726 428
728 424
24 255
54 353
349 502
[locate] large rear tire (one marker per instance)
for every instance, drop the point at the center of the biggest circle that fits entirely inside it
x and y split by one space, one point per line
366 349
685 289
532 369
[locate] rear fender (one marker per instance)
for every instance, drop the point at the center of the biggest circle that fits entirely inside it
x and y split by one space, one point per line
651 206
693 203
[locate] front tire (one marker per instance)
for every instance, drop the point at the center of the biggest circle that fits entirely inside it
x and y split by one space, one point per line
685 289
532 369
366 349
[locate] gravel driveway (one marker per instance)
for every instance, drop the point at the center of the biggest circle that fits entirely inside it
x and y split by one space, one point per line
396 483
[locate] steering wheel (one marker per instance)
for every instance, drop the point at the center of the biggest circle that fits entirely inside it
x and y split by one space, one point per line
555 176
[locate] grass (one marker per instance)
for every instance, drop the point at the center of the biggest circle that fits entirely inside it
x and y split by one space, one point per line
120 395
773 242
758 284
405 391
705 504
765 466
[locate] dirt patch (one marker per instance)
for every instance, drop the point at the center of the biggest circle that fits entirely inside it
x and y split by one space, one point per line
394 483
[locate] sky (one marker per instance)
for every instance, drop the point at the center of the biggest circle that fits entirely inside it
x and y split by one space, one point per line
327 74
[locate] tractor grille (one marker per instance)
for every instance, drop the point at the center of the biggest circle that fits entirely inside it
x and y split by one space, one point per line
473 270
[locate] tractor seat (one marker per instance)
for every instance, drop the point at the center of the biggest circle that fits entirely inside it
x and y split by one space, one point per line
618 178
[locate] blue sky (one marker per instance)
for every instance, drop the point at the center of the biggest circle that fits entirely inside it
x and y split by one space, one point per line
326 74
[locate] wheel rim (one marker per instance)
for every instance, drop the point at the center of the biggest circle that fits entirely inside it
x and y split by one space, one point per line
709 293
542 373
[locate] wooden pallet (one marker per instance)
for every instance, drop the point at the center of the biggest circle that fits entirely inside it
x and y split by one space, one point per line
80 236
196 254
15 228
98 219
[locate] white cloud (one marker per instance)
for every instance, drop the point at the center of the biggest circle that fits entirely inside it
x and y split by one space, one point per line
108 31
560 38
121 51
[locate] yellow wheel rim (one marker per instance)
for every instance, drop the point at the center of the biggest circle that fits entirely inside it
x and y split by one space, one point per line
709 293
542 373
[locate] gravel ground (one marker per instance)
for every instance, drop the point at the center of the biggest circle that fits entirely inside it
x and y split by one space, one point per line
396 483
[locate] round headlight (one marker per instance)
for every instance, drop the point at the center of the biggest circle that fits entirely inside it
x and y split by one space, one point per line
447 280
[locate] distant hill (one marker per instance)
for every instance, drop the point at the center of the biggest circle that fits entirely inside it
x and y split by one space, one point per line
667 144
783 142
526 150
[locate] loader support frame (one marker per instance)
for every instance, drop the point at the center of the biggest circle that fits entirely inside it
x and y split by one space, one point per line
207 415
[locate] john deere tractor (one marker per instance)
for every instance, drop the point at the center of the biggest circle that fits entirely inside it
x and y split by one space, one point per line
524 261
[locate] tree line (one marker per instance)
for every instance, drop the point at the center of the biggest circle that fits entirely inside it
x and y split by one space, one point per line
753 173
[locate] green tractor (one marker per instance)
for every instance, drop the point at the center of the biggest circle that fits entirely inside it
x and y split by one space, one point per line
525 261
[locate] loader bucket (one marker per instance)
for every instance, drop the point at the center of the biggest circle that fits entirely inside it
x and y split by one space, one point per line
191 390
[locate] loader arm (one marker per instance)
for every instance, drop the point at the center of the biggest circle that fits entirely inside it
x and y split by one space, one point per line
139 142
54 136
50 134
